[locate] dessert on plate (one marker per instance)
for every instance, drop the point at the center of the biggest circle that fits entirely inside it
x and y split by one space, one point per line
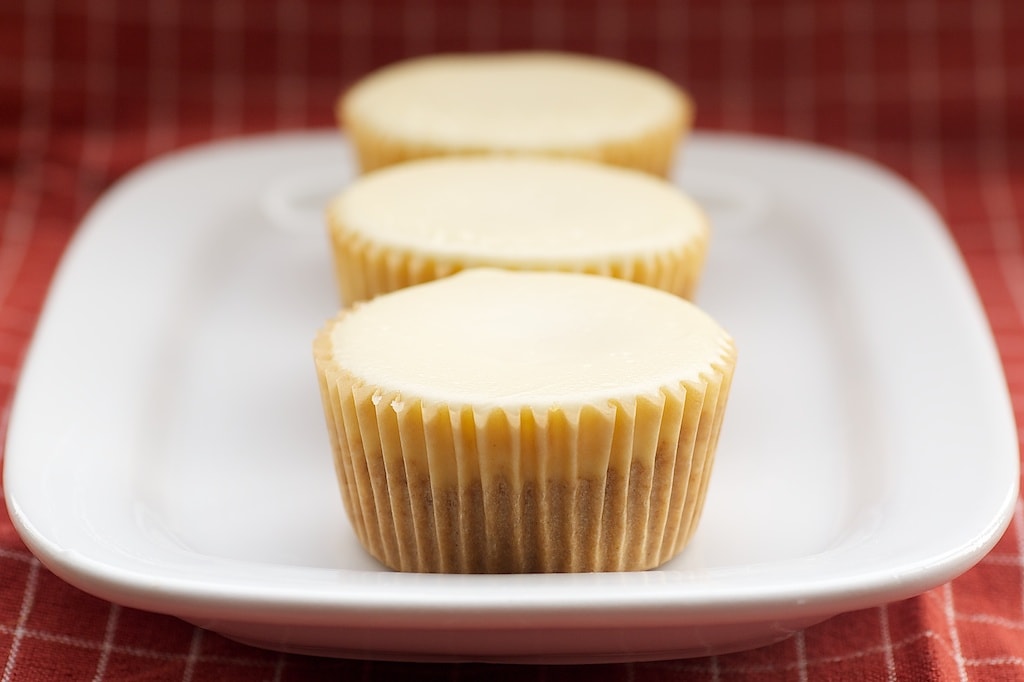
509 422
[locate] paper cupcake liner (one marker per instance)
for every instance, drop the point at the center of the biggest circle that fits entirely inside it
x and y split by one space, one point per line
438 488
653 151
365 269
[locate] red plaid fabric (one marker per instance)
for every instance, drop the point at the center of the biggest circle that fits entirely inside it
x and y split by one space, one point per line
934 89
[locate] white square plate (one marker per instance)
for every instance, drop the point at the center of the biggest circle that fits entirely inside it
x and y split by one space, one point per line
167 450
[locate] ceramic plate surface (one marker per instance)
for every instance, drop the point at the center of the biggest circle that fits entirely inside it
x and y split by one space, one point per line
167 450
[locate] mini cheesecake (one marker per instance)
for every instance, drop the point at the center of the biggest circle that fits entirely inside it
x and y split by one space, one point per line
511 422
426 219
545 103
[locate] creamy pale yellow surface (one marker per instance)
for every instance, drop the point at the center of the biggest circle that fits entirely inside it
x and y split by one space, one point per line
495 339
494 210
515 101
423 219
534 103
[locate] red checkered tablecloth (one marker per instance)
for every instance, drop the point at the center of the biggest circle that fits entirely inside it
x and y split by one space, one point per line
933 89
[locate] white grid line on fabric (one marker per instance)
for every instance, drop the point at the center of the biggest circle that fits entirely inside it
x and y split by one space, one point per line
887 648
714 668
34 131
989 619
97 142
17 556
18 635
956 82
923 74
997 194
1004 559
800 643
997 660
996 185
139 652
737 31
228 93
799 91
192 658
548 23
107 644
161 78
859 77
891 18
279 665
954 634
291 90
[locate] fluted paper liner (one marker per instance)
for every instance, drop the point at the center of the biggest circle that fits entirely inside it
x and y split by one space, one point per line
432 487
365 268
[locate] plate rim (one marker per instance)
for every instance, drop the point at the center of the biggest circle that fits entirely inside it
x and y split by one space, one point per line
182 598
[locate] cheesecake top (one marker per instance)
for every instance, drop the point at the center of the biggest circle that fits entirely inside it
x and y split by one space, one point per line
519 210
515 101
494 338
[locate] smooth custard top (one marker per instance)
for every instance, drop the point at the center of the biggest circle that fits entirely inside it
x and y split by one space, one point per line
515 101
494 338
513 209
